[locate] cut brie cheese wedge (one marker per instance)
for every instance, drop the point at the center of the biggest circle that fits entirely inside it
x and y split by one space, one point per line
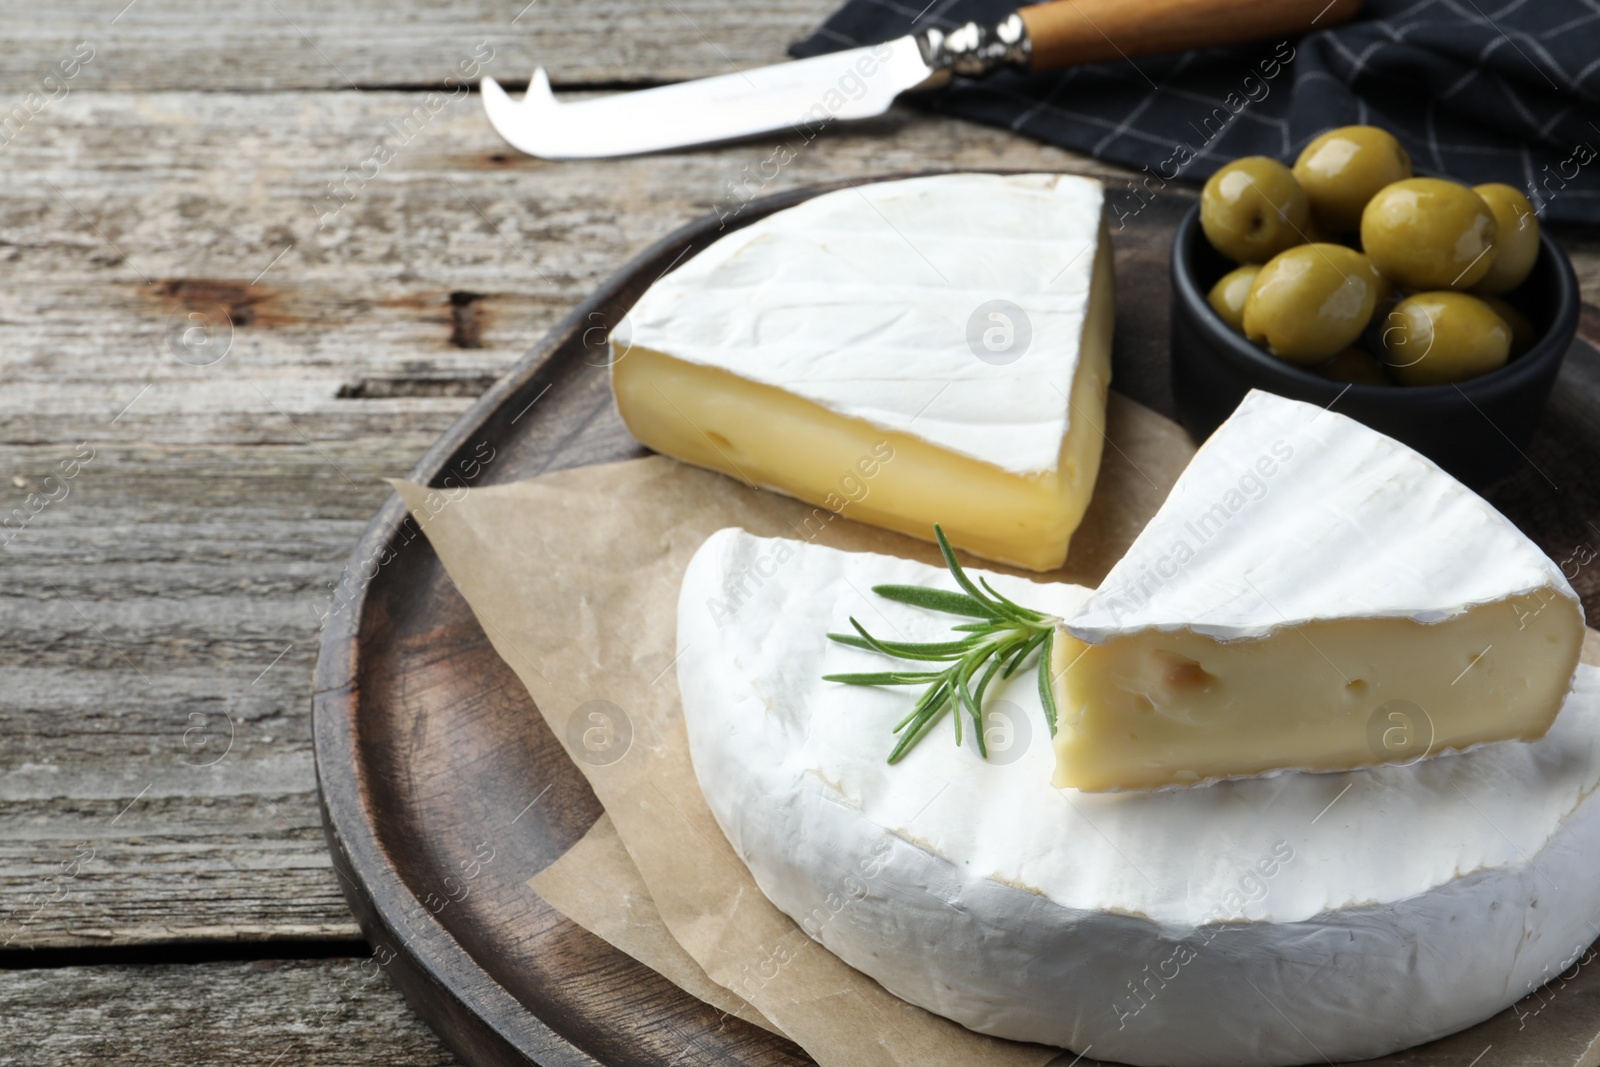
1312 595
933 350
1264 922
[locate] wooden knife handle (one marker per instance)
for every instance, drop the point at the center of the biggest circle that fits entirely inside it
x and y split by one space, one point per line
1068 32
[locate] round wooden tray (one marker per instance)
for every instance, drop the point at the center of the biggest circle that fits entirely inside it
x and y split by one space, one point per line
443 791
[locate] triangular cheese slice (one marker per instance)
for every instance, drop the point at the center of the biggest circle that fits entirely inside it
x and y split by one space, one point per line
1313 595
931 350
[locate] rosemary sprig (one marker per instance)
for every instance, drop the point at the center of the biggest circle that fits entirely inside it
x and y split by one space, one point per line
1003 635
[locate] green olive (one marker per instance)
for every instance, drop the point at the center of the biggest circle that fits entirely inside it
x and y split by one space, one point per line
1310 302
1341 170
1252 209
1228 295
1443 337
1523 334
1516 243
1354 365
1427 233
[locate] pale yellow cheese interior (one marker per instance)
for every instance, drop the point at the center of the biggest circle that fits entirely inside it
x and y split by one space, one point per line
1155 708
768 437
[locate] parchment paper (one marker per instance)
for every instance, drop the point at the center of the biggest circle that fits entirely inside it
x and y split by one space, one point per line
596 885
575 578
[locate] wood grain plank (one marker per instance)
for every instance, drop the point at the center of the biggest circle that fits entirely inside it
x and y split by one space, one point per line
157 631
330 1012
295 44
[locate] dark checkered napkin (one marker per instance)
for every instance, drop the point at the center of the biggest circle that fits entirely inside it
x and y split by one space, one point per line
1479 91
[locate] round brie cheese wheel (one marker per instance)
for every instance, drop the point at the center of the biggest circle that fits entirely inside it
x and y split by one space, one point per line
1273 921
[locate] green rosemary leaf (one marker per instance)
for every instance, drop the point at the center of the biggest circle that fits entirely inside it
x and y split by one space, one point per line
885 678
1047 690
955 568
1015 607
851 640
871 644
945 600
1022 653
964 700
932 650
928 700
919 725
983 683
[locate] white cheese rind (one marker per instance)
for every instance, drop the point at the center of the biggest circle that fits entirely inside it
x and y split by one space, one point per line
1292 514
1414 900
861 301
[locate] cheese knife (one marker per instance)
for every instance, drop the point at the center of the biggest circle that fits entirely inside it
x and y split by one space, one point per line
861 82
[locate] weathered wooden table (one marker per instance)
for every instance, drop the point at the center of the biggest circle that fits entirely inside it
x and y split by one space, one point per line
222 322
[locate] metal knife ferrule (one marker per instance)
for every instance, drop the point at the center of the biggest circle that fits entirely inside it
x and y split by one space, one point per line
977 49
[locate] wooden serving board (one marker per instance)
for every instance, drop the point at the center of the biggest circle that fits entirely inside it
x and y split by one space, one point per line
443 791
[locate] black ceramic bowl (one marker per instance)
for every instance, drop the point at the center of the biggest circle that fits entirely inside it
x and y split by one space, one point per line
1475 430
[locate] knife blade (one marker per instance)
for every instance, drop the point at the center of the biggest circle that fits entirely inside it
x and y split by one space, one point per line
862 82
